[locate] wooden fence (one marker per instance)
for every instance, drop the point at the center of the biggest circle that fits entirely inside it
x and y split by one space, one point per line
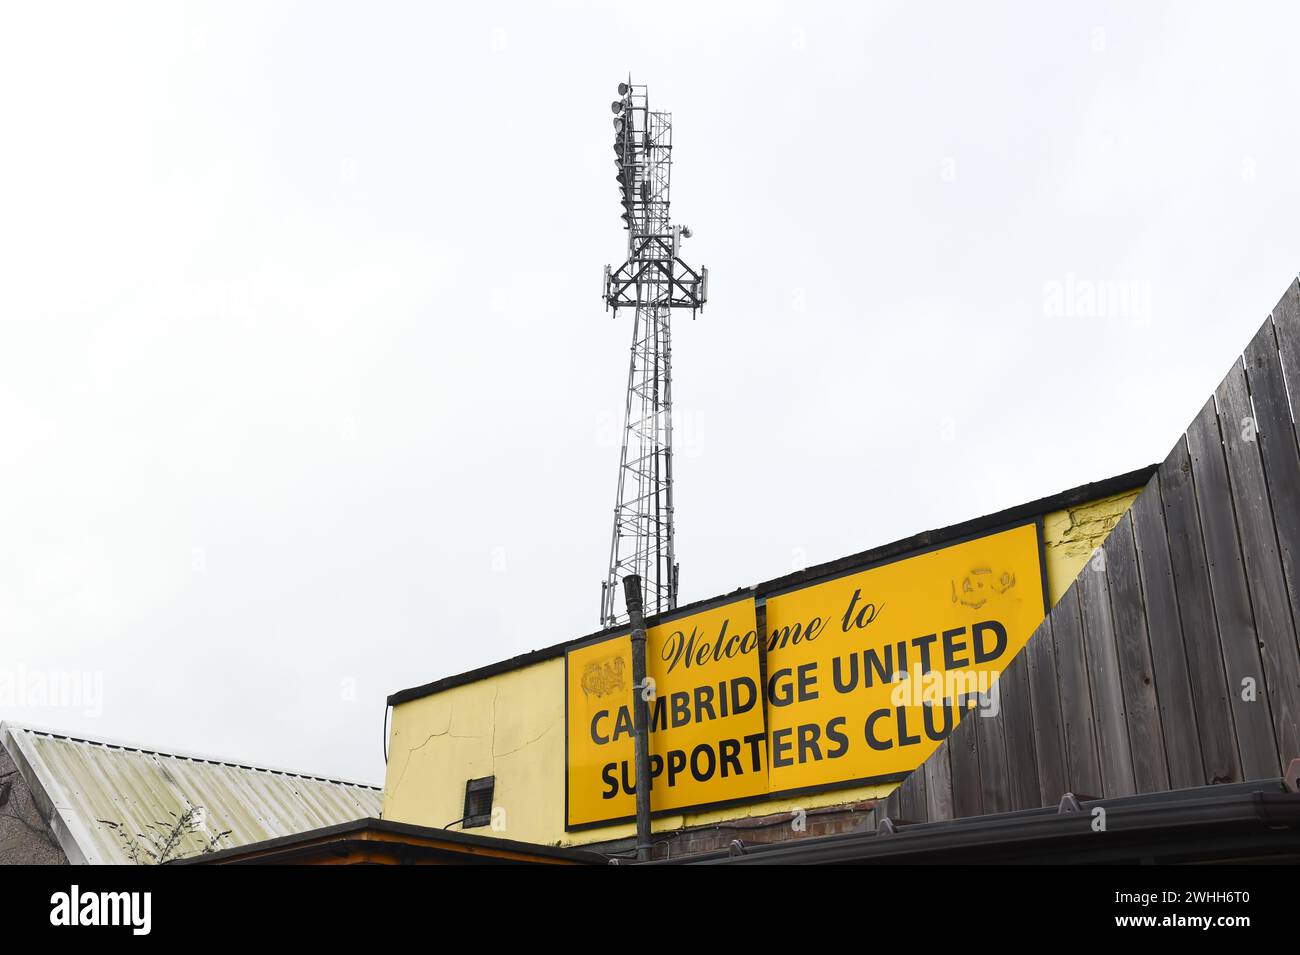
1172 660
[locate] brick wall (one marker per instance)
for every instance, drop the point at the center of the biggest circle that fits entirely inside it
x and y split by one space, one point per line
779 827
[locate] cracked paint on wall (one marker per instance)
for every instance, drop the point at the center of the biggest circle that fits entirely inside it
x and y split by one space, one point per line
1071 536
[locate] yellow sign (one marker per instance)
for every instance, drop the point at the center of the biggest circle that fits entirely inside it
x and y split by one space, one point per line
866 674
707 740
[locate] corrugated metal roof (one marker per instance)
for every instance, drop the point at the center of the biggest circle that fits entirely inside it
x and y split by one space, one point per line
82 785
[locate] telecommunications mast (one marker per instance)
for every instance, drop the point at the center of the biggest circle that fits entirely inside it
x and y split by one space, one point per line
652 282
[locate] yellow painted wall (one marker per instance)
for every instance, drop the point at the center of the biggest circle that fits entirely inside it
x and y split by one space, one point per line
511 726
1070 537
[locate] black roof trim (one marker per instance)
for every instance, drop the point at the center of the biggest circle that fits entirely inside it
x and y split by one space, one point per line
926 539
1200 824
358 826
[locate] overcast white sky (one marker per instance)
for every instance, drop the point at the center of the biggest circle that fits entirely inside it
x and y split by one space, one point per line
306 390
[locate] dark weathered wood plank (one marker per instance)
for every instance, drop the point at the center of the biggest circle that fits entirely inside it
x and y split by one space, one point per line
906 798
1045 702
1109 715
995 792
1083 773
907 808
1018 726
1286 321
1286 327
911 797
963 757
1259 550
1238 638
893 804
903 798
1205 669
1178 719
938 785
1136 671
1277 445
922 803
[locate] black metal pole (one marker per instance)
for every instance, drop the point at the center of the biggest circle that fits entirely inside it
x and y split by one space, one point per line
640 714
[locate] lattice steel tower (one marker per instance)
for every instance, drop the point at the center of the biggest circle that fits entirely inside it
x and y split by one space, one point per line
653 281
